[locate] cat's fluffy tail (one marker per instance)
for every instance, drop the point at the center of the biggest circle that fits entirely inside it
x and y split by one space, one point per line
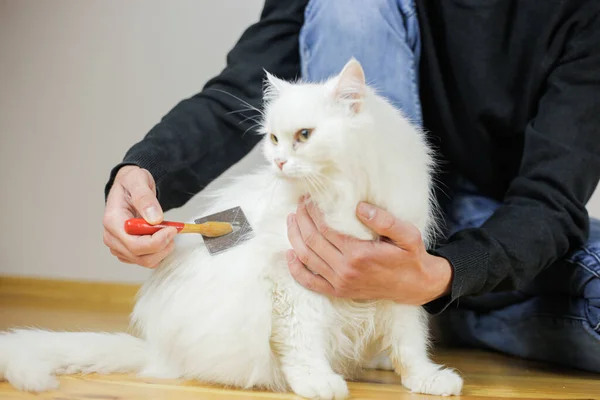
30 359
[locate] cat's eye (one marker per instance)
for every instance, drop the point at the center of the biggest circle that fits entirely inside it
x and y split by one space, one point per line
303 134
274 139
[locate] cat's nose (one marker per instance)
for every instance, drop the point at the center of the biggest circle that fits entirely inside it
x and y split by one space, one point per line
280 164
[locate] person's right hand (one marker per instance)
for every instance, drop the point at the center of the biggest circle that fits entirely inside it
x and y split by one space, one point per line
133 195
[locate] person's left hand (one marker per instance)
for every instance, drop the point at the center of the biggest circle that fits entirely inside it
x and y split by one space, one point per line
398 268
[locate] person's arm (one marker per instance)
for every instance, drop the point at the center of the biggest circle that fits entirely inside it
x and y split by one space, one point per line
544 213
204 135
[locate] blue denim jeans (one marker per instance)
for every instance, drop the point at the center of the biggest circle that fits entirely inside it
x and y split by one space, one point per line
557 317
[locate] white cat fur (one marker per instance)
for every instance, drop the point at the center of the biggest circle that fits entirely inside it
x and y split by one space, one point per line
238 318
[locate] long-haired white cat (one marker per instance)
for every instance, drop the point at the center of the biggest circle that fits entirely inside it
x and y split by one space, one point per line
239 318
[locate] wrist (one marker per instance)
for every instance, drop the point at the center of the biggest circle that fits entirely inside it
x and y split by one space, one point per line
439 277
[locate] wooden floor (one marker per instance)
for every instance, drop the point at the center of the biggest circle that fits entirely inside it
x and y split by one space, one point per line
487 375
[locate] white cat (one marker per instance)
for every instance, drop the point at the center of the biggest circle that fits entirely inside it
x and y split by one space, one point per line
239 318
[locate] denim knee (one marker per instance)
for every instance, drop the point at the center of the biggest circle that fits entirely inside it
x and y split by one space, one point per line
383 35
585 282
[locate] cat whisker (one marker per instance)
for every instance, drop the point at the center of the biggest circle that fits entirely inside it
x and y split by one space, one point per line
316 179
240 110
244 115
324 189
318 188
274 182
250 128
322 177
251 118
307 185
237 98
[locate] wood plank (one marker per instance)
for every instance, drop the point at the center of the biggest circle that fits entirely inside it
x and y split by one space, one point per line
487 375
96 296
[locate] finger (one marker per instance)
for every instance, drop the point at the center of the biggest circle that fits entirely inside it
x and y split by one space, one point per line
136 245
121 257
149 244
148 261
315 241
143 197
305 255
153 260
306 278
335 238
119 250
114 219
403 234
116 246
117 198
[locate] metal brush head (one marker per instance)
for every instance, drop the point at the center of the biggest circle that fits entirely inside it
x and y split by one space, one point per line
242 230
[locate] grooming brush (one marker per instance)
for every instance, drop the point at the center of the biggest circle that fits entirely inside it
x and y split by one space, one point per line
220 231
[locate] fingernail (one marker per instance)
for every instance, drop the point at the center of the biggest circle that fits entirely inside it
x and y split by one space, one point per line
290 256
304 199
151 215
367 211
290 219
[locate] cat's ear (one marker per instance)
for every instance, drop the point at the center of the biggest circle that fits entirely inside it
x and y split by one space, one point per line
350 86
273 86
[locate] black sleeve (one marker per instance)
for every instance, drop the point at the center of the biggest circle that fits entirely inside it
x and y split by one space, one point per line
203 136
544 212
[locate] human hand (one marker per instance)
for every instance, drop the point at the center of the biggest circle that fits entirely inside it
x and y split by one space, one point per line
396 268
132 195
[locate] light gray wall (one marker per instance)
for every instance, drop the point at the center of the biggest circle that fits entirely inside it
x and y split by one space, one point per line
80 82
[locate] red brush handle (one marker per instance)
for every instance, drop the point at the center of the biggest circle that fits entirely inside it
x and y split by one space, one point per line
138 226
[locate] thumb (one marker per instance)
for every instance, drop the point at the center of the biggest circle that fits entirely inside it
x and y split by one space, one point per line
143 198
401 233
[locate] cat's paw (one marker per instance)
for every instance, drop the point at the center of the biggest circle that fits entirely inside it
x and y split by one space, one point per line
440 382
381 362
31 379
326 386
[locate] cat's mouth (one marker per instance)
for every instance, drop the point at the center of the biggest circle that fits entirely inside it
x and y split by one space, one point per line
294 175
287 173
292 171
288 177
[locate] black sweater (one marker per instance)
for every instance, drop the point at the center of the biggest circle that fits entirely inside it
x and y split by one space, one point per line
511 99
